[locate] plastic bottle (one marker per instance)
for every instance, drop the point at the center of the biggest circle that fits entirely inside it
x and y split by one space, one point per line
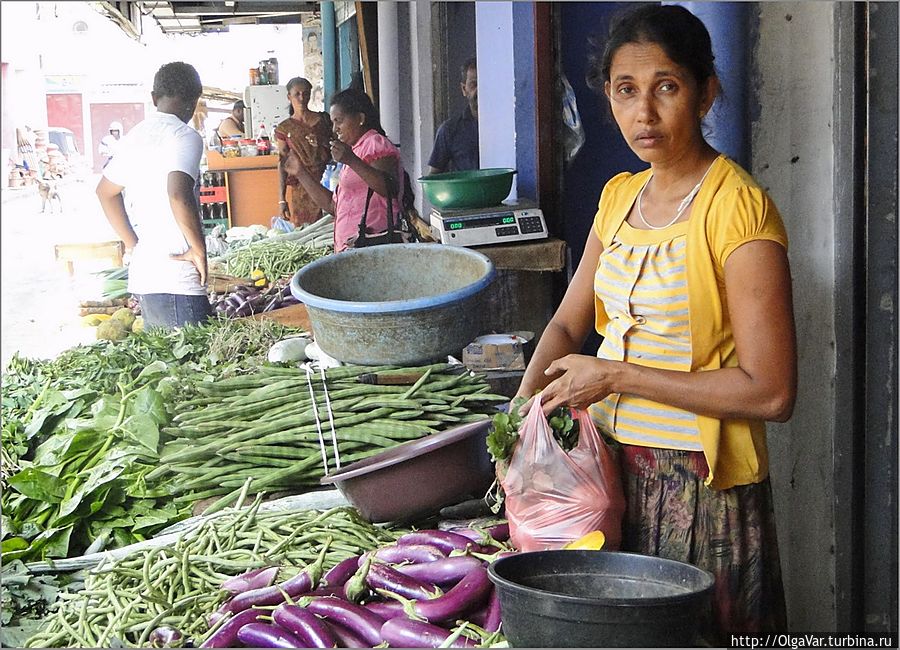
262 141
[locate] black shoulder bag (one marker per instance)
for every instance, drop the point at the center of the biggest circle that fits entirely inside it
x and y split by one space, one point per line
393 235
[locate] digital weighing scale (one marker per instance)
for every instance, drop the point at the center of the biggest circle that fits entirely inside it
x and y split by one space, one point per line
499 224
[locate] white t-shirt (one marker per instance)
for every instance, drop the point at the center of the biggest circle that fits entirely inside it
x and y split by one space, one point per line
160 144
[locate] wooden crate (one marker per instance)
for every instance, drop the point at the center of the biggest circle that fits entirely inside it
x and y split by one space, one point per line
70 253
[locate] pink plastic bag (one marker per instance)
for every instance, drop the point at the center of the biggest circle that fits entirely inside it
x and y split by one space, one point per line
554 497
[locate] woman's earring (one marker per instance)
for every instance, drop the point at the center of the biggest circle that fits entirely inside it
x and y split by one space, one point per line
361 123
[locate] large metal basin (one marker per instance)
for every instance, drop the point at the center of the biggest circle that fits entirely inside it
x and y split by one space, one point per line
398 304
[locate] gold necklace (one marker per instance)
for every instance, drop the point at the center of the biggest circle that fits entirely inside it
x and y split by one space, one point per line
685 202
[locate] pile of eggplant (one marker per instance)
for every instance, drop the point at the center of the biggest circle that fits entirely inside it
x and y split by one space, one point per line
246 300
430 589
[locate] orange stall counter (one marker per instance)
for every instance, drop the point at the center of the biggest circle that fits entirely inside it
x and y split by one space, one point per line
252 187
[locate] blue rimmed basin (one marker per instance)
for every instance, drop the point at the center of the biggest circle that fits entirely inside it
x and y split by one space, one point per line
402 304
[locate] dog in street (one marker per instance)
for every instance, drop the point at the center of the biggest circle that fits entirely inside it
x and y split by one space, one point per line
49 193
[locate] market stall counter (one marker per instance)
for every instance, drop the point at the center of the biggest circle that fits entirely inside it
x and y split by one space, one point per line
251 184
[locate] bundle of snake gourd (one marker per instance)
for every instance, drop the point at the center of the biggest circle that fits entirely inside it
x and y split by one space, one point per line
123 601
271 425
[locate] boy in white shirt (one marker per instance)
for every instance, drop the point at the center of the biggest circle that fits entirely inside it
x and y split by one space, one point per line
149 193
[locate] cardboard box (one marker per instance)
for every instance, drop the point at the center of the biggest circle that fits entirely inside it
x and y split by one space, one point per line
497 352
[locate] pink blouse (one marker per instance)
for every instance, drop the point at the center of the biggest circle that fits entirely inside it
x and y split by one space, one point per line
350 194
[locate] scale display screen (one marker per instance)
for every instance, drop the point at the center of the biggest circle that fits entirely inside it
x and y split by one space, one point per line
480 222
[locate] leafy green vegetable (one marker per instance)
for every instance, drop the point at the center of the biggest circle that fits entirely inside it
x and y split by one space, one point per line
504 432
80 432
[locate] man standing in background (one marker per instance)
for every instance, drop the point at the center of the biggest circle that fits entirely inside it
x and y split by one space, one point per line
109 142
234 123
149 194
456 141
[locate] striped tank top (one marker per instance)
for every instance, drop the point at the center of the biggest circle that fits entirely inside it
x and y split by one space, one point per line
642 281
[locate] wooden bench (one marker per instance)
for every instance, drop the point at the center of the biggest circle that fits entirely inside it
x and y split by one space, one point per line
69 253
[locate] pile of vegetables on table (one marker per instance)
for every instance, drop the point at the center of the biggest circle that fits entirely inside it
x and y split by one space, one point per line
76 428
260 263
246 300
250 577
277 425
109 445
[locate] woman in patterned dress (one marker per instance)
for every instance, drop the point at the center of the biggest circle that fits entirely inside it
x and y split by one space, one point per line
310 133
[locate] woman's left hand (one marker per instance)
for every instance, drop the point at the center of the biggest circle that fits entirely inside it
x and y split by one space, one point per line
580 381
342 152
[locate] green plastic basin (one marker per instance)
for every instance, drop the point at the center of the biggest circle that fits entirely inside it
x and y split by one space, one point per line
474 188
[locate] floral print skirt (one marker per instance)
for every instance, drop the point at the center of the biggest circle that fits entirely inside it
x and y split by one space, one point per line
670 513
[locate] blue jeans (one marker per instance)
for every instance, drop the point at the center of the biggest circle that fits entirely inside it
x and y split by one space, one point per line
173 310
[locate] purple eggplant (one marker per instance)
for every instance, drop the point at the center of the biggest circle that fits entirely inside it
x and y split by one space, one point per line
469 594
386 609
356 587
264 635
322 591
341 572
166 637
226 636
413 553
492 616
356 618
383 576
289 300
443 539
402 632
286 291
345 638
444 572
234 300
272 304
496 533
253 579
304 581
305 625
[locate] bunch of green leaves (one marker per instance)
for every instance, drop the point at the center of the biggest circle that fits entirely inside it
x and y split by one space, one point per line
88 480
115 283
38 395
504 431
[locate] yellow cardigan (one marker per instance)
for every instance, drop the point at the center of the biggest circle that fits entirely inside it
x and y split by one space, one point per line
729 210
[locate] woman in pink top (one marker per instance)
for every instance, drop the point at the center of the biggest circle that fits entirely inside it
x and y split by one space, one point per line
369 160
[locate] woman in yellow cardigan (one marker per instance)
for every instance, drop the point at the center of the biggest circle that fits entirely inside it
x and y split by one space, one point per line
685 275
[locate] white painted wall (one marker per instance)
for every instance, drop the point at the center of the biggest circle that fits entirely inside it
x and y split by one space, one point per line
793 158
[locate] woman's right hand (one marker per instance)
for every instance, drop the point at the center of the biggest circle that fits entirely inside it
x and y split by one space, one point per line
285 210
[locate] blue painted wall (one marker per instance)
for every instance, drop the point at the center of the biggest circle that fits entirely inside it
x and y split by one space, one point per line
329 50
604 153
727 125
526 133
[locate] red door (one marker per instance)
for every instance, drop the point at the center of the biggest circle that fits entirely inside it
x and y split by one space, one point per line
101 117
64 110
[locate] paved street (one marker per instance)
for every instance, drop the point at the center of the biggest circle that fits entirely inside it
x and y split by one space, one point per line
38 300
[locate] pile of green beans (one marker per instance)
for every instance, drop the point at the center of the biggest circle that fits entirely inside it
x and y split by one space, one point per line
275 258
123 601
264 426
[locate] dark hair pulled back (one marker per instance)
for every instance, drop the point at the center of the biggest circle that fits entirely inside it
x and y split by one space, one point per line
681 35
352 100
296 81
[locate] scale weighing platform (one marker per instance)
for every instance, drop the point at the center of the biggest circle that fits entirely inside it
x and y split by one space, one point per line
499 224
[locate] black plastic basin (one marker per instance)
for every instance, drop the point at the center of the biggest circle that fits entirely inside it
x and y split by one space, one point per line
590 599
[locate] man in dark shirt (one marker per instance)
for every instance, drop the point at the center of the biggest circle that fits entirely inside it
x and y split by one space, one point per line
456 142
